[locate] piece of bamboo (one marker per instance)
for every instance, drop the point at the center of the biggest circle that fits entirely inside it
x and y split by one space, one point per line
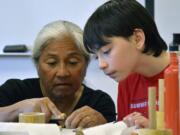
160 112
152 107
161 95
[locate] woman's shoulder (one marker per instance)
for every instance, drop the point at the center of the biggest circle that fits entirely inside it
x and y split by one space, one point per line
95 92
94 97
15 81
20 85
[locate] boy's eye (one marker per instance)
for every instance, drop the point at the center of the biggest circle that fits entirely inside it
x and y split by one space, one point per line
107 51
95 56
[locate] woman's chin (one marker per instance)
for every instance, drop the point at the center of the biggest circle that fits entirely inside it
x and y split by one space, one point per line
61 94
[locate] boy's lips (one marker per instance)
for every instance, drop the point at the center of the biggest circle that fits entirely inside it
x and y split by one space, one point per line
111 74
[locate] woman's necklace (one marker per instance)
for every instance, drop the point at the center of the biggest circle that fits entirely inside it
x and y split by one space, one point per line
71 107
76 100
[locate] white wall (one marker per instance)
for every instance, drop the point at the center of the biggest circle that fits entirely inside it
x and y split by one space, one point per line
21 20
167 17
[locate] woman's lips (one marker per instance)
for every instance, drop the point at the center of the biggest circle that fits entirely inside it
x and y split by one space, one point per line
62 85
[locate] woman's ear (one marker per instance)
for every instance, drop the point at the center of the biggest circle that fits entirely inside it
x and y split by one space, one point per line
139 38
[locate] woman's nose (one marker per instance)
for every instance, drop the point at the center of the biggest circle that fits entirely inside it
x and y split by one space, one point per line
62 71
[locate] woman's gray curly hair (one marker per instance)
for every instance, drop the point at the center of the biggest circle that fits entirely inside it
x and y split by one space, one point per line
58 30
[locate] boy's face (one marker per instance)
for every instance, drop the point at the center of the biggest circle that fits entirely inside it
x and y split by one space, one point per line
119 58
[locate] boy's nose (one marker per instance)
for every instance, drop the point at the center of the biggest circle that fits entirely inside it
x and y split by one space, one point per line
102 63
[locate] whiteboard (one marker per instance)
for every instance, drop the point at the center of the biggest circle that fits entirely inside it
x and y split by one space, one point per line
21 20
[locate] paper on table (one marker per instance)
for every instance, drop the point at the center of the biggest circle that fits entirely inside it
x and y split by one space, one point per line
65 131
53 129
107 129
13 133
32 129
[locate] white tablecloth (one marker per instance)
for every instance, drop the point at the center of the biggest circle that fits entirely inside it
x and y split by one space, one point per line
53 129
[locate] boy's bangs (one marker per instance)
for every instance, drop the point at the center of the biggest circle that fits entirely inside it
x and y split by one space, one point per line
93 39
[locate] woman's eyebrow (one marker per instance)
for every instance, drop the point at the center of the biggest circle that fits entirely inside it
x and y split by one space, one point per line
74 53
68 53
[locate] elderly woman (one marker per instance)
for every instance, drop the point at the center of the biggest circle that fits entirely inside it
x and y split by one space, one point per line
61 62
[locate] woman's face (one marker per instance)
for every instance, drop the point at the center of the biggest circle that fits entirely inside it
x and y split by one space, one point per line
118 58
61 68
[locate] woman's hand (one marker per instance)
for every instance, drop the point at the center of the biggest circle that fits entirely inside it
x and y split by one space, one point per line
136 119
44 105
85 117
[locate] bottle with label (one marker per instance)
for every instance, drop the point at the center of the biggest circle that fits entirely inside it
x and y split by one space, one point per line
171 94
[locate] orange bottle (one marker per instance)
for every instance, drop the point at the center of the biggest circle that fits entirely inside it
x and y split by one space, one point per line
171 94
176 41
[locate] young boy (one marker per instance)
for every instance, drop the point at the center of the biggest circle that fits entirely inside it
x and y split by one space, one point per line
130 50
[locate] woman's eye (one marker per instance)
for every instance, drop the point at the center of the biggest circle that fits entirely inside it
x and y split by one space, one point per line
51 62
73 62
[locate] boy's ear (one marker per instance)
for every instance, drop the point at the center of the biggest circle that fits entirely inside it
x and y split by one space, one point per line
139 38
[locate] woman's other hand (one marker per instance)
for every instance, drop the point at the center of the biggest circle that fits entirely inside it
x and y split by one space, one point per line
44 105
85 117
